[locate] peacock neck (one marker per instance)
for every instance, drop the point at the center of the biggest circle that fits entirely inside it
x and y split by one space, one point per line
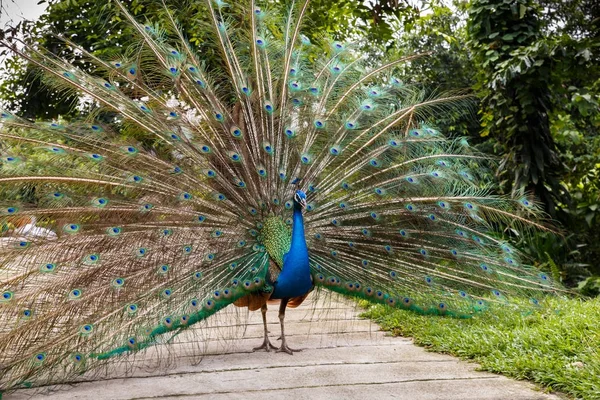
294 279
298 239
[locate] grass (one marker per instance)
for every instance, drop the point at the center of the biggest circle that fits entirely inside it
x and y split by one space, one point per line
558 347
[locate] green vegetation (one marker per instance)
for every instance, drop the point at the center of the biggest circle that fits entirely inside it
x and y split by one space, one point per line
556 347
538 80
506 37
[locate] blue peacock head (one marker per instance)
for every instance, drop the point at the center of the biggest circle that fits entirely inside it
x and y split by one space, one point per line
300 198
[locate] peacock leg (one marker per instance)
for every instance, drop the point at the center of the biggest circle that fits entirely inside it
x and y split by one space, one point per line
284 347
267 346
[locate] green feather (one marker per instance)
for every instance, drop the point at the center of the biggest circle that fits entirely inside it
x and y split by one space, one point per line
276 236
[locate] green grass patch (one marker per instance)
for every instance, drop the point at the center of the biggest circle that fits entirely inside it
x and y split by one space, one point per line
558 347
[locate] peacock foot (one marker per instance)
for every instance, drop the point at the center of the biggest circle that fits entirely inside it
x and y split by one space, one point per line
285 349
266 346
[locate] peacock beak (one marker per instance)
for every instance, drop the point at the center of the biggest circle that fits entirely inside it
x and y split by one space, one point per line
302 203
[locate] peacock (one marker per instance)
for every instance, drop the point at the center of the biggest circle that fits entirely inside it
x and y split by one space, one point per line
288 166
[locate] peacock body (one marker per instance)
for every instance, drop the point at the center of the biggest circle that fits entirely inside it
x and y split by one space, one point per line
286 167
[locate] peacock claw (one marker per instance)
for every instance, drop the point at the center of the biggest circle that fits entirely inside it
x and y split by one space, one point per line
266 346
285 349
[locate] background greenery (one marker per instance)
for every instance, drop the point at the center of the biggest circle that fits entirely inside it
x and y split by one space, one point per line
534 66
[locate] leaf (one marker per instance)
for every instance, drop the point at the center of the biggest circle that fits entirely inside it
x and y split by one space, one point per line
522 10
589 217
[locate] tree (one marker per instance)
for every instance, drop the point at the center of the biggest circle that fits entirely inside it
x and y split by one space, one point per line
94 26
514 80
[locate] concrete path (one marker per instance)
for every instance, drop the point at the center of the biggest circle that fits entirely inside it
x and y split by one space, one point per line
343 357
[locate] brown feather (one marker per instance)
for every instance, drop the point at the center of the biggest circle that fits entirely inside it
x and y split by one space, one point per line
254 301
296 301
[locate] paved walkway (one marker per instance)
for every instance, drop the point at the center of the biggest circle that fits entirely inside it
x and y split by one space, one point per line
343 357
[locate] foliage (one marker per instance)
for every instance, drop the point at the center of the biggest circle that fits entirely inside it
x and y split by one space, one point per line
94 26
575 121
515 68
590 286
556 347
370 21
440 33
539 76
